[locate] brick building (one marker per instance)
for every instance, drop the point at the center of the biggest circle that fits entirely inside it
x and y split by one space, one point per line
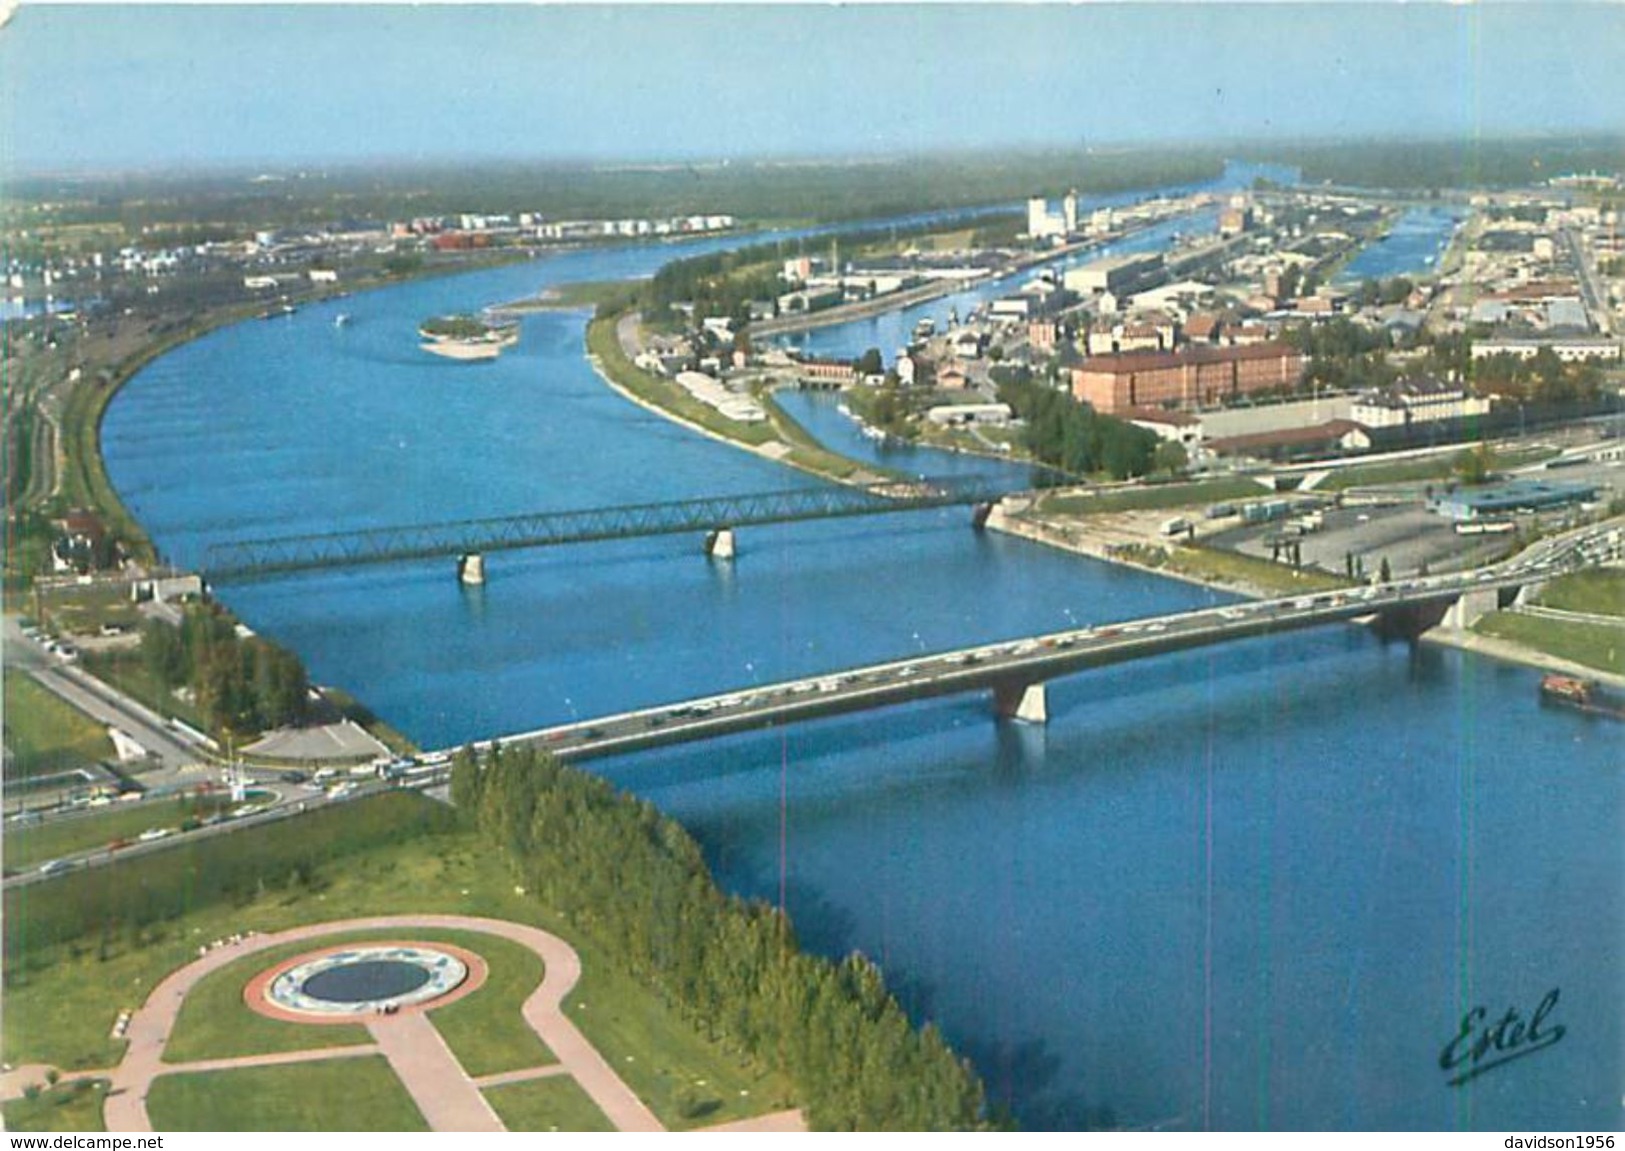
1197 377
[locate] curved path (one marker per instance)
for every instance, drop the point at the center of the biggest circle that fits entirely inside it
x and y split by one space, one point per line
448 1097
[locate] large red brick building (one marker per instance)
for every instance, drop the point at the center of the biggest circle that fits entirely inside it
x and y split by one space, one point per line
1197 377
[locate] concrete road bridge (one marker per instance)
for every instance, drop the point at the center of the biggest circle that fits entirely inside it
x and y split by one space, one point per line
1015 671
252 558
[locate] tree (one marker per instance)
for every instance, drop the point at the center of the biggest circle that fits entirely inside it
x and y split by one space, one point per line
870 363
1475 465
1170 457
1385 574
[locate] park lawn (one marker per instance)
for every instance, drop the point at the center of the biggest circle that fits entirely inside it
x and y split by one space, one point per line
27 845
485 1030
1600 591
215 1023
554 1104
1154 496
360 1094
60 1006
1601 646
45 734
662 1058
72 1105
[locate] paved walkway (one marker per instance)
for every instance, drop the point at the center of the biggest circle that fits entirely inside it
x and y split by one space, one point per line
447 1096
438 1084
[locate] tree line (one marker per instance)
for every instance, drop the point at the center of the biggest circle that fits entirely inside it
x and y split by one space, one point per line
634 880
240 684
1073 436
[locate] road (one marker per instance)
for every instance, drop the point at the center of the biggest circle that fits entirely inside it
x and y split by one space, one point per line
1596 300
1011 665
173 749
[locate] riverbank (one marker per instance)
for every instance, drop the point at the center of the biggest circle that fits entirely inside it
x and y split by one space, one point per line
1132 540
779 439
1129 541
1510 651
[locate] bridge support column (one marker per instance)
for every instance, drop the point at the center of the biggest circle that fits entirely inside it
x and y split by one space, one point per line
1027 702
1470 608
471 568
1529 593
719 545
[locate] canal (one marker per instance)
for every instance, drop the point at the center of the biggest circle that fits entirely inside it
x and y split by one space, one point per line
1251 887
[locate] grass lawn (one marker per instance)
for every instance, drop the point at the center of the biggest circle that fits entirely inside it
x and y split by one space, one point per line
215 1023
662 1058
72 1105
1596 645
61 1004
1600 591
1233 568
359 1094
485 1030
45 735
1437 467
1156 496
28 845
1209 563
556 1104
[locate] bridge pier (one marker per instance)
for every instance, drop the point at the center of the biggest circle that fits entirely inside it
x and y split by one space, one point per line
1470 608
1027 702
471 568
720 545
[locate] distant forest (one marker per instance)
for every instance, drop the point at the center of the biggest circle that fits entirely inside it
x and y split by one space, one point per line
812 191
778 191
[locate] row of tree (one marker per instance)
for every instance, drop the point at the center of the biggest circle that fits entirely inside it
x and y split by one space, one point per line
635 881
240 684
1074 437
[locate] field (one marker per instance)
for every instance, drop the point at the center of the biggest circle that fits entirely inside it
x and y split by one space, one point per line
1154 496
45 735
61 999
1599 591
554 1104
1428 468
71 1105
359 1094
1594 645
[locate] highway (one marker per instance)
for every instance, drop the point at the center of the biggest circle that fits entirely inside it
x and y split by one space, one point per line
1012 665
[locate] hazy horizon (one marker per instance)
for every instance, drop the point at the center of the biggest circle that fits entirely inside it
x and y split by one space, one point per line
214 88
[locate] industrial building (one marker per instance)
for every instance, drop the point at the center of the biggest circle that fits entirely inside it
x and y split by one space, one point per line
1508 498
1118 275
1195 377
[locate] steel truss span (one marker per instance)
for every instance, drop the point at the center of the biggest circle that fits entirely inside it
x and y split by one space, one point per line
248 558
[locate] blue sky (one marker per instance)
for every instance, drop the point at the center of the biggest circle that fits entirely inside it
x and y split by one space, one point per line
135 86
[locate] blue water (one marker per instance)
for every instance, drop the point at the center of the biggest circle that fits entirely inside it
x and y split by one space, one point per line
1412 247
1255 886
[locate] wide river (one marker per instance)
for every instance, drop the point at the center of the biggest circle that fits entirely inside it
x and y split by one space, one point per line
1252 887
